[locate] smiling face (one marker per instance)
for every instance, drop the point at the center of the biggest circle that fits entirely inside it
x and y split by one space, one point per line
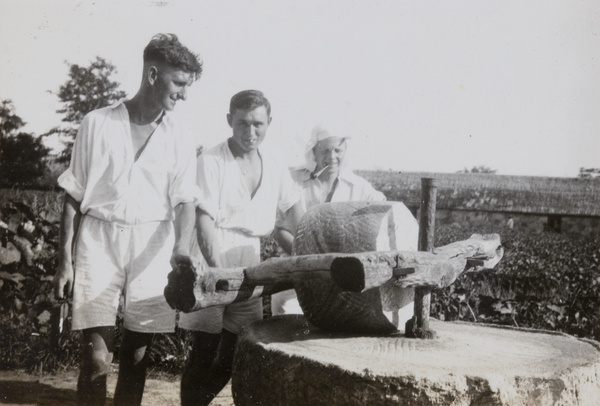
169 85
330 152
249 127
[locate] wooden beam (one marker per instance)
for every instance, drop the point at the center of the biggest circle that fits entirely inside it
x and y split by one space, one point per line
190 290
414 269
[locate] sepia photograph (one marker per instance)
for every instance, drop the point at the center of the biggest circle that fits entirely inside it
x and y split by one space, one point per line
318 202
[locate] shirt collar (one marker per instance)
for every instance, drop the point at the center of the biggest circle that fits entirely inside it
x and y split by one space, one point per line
121 102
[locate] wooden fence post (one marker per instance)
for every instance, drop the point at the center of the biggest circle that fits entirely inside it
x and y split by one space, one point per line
418 326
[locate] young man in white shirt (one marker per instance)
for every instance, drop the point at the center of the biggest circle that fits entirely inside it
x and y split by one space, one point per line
128 218
325 177
241 188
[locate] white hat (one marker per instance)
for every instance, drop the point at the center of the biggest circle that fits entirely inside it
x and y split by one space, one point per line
319 133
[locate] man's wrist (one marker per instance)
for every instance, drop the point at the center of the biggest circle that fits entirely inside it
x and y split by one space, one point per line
179 250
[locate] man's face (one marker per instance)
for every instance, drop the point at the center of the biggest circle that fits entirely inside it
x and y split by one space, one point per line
249 127
170 85
330 152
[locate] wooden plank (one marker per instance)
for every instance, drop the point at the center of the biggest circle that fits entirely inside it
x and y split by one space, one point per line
440 268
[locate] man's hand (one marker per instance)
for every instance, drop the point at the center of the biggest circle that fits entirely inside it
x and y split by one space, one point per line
63 281
179 291
177 259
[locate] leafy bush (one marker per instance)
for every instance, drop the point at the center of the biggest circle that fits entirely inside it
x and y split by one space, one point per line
544 281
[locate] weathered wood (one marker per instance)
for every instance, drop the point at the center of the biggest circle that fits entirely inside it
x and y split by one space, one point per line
440 268
418 327
193 287
191 290
427 217
285 360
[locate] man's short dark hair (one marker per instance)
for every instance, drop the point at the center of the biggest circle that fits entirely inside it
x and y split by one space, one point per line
249 100
166 48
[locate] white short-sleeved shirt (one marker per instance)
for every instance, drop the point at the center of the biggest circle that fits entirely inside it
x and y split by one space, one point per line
110 185
224 196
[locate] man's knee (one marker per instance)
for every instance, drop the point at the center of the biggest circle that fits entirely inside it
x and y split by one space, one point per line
134 346
99 363
98 350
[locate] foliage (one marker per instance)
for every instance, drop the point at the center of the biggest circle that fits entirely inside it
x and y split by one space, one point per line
544 281
9 121
22 160
478 169
27 307
28 312
589 173
22 156
88 88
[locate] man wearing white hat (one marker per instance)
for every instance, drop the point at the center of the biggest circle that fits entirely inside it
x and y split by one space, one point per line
324 178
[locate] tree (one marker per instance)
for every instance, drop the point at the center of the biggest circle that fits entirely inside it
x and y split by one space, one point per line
479 169
9 120
22 156
589 173
88 88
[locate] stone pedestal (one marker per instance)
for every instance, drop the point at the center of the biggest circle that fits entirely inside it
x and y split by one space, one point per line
286 361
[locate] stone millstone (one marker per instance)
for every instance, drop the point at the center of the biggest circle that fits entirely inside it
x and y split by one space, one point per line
286 361
351 227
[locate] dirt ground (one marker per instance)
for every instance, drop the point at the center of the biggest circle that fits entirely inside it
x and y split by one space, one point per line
21 389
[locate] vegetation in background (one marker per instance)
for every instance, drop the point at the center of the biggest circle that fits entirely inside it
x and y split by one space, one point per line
22 156
544 281
87 88
478 169
25 162
589 173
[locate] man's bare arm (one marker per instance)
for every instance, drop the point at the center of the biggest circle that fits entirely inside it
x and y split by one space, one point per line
184 227
69 224
285 236
285 239
207 238
294 214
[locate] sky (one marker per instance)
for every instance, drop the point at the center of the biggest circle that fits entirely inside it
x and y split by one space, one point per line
433 86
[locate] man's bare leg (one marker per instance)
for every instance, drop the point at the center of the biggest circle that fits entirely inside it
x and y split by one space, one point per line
96 357
133 360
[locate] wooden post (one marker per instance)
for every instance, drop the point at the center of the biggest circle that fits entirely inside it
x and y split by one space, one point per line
418 326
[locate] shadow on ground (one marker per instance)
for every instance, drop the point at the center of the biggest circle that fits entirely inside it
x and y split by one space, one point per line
35 393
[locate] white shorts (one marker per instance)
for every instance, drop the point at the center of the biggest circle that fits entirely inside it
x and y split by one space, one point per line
237 251
130 260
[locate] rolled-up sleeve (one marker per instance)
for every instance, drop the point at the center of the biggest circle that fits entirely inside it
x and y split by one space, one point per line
74 179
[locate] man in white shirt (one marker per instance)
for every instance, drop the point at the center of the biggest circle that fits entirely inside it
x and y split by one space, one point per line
324 178
241 188
127 219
